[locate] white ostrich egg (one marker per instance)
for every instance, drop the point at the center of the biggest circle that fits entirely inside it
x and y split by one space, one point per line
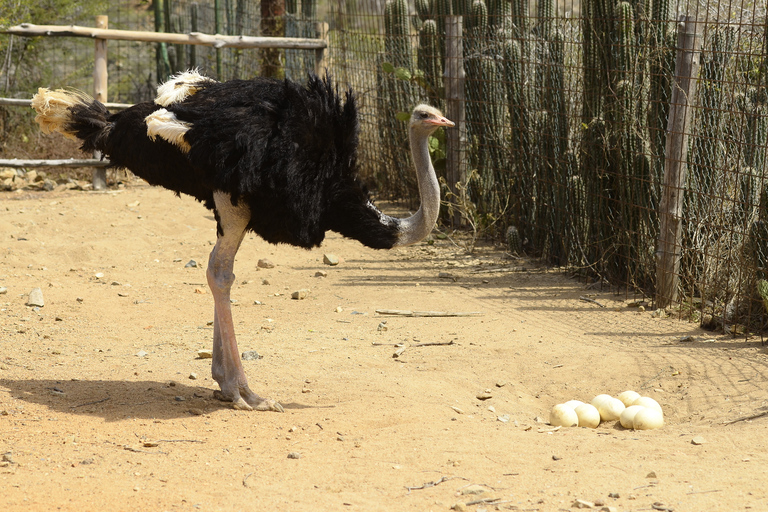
649 402
648 419
599 399
628 397
563 416
573 404
611 409
588 415
627 417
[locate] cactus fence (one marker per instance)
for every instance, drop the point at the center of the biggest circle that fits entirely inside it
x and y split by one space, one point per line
567 109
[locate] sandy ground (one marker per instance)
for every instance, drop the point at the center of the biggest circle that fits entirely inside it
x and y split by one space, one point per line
99 409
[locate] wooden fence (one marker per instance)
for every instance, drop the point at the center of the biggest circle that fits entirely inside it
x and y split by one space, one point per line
101 34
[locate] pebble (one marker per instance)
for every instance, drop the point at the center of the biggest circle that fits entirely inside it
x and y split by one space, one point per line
205 353
3 290
698 440
191 264
504 418
484 395
339 309
250 355
382 326
193 376
330 259
321 273
142 353
36 298
583 504
294 455
179 398
474 490
457 409
300 294
609 508
459 507
265 263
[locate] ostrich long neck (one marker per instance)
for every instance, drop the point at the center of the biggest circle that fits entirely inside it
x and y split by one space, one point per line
420 224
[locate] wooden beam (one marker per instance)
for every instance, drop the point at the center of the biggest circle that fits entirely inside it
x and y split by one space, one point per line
100 86
676 161
69 162
455 138
217 40
14 102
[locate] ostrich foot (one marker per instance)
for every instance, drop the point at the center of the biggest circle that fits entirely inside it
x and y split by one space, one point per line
248 401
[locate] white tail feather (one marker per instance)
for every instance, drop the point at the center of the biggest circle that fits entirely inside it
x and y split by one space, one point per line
164 124
52 108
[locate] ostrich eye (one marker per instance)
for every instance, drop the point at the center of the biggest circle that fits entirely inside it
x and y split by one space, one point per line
423 115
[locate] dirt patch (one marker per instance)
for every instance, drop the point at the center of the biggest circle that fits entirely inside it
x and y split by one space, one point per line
101 409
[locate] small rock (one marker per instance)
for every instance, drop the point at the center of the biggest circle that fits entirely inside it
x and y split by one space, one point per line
339 309
196 412
179 398
265 263
614 495
204 353
142 353
504 418
583 504
193 376
300 294
474 490
382 326
557 457
3 290
458 410
200 291
330 259
8 457
294 455
652 474
459 507
484 395
250 355
321 273
698 440
36 298
609 508
191 264
501 384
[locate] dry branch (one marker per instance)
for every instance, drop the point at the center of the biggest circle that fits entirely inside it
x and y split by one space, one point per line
405 312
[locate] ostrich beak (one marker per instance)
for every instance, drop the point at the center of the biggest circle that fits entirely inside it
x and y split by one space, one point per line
441 121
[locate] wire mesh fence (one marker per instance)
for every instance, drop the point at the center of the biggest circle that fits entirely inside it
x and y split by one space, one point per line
567 109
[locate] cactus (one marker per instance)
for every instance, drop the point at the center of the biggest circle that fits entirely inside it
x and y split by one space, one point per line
706 153
429 61
397 96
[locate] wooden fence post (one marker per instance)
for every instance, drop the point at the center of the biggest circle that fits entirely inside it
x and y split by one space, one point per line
321 54
456 138
675 164
100 84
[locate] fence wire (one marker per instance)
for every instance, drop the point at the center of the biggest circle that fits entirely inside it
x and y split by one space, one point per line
566 108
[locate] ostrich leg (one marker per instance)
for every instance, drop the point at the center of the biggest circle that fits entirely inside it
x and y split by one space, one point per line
227 369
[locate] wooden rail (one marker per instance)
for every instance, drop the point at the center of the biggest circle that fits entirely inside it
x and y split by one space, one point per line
101 35
217 40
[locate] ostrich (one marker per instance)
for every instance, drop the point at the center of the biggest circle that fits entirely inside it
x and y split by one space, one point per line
277 158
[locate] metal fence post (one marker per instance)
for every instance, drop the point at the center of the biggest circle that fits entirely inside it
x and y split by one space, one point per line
676 159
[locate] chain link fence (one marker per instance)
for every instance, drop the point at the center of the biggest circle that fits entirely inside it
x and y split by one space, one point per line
566 107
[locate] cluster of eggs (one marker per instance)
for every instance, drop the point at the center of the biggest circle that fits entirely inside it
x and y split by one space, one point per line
632 410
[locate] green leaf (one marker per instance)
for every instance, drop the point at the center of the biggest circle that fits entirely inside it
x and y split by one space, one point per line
403 116
402 74
387 67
